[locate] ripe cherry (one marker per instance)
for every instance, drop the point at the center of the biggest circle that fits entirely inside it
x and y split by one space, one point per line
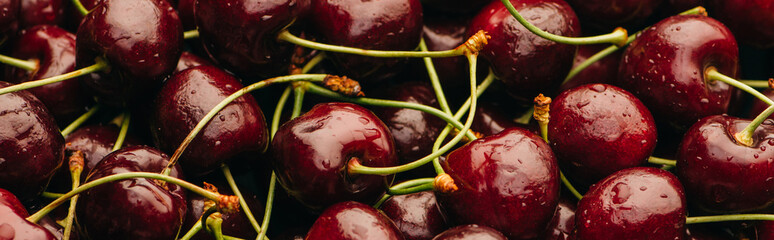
351 221
416 215
470 231
13 224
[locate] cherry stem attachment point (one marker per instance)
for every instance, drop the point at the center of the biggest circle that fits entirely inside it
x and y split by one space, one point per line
727 218
744 137
617 37
76 168
124 130
28 65
711 75
80 120
234 188
541 108
191 34
444 183
661 161
79 6
215 225
99 66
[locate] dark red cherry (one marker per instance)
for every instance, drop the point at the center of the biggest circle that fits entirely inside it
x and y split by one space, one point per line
721 175
241 34
470 232
54 50
490 120
40 12
352 221
664 67
189 60
312 151
234 224
508 181
9 17
382 25
442 32
752 21
609 14
95 142
598 129
238 129
603 71
758 106
185 8
13 224
416 215
135 208
141 40
526 63
563 222
55 229
31 147
635 203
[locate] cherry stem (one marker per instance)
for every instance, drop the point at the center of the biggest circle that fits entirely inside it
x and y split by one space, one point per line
569 186
278 110
230 179
313 62
99 66
381 201
617 37
80 120
123 176
526 116
298 100
215 226
124 129
434 79
711 74
611 49
756 83
540 112
661 161
411 186
744 137
29 65
726 218
81 9
193 231
214 111
191 34
286 36
51 195
76 168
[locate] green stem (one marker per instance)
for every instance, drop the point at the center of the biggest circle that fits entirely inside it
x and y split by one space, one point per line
117 177
744 137
727 218
269 205
543 130
661 161
313 62
79 6
28 65
99 66
412 183
190 34
617 37
569 186
289 37
192 232
756 83
526 117
51 195
275 120
215 224
712 74
434 79
298 100
80 120
381 201
76 178
124 129
230 179
410 190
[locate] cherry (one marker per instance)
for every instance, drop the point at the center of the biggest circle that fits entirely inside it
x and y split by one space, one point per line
40 12
381 25
234 224
135 208
311 154
526 63
12 222
416 215
751 21
96 142
239 130
142 41
470 232
32 147
608 14
563 222
240 34
189 60
634 203
490 120
55 229
664 67
9 17
603 71
351 221
54 50
722 175
508 181
598 129
185 8
445 33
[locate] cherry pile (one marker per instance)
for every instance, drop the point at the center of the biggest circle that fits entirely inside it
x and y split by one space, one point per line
432 119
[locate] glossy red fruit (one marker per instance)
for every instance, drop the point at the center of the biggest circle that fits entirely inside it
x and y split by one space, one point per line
526 63
185 8
31 147
563 223
598 129
416 215
470 232
382 25
189 60
135 208
96 142
752 21
445 33
239 130
635 203
54 50
721 175
241 34
141 40
40 12
13 224
609 14
508 181
603 71
664 67
490 119
312 151
353 221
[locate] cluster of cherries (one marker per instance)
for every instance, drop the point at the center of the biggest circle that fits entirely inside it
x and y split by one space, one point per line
158 101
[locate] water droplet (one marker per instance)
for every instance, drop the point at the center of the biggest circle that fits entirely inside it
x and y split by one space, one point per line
222 118
217 143
621 193
663 195
363 120
643 188
704 101
755 155
598 88
266 17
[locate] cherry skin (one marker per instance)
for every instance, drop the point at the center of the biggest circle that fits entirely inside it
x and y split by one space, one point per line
598 129
603 71
664 67
13 224
416 215
490 120
751 21
561 226
508 181
526 63
9 17
40 12
608 14
141 40
382 25
238 129
185 8
32 147
54 50
352 221
311 154
470 232
758 106
234 224
189 60
95 142
241 34
135 208
722 176
445 33
634 203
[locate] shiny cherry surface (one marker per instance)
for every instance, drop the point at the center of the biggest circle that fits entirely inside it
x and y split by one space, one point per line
189 60
13 224
563 223
234 224
603 71
470 232
40 12
96 142
416 215
353 221
752 21
490 120
441 33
